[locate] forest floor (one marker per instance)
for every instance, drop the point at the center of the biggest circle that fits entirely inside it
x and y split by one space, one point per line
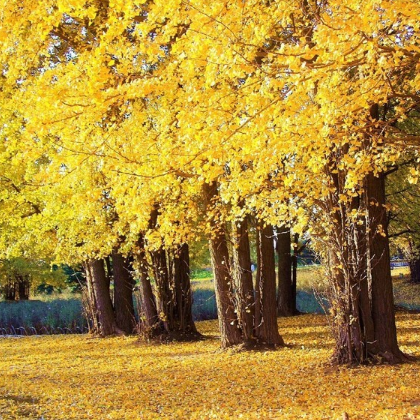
80 377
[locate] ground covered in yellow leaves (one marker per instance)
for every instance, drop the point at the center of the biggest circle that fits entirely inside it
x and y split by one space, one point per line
78 377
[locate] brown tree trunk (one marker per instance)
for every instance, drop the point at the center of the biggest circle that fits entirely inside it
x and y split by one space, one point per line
163 295
228 321
382 293
89 301
183 293
245 302
148 316
160 267
361 277
350 276
266 329
294 263
286 298
123 293
21 287
102 305
108 271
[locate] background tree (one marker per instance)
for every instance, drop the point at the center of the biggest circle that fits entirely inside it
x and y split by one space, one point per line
20 277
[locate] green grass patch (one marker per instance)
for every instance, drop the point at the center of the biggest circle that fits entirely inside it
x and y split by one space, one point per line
201 274
43 316
204 300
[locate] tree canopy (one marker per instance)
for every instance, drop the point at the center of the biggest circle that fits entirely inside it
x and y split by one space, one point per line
111 110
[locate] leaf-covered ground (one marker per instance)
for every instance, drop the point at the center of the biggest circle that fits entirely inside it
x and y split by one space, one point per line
78 377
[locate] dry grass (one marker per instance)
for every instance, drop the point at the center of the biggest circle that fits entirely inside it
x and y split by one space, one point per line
77 377
406 294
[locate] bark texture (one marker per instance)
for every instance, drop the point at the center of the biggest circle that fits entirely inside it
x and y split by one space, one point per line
171 271
182 291
149 324
266 329
244 288
228 321
17 287
382 293
286 296
123 293
414 262
101 305
360 270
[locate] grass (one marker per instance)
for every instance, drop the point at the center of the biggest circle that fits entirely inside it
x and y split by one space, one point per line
26 317
406 294
78 377
204 300
62 312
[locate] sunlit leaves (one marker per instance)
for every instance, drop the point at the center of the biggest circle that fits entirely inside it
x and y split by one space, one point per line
139 102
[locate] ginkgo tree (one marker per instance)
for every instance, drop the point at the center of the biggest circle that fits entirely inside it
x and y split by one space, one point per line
284 110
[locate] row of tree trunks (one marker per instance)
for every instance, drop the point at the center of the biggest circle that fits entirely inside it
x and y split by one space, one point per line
110 316
247 314
167 311
360 273
17 287
173 297
171 272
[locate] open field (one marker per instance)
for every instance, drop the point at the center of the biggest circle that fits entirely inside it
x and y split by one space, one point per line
78 377
63 312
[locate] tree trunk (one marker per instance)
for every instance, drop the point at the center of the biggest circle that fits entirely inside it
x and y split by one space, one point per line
160 267
183 293
102 305
360 270
382 293
108 266
266 329
245 302
89 302
228 321
161 275
123 293
361 279
150 325
286 299
348 269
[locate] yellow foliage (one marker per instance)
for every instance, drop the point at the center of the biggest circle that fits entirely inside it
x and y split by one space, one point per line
136 103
